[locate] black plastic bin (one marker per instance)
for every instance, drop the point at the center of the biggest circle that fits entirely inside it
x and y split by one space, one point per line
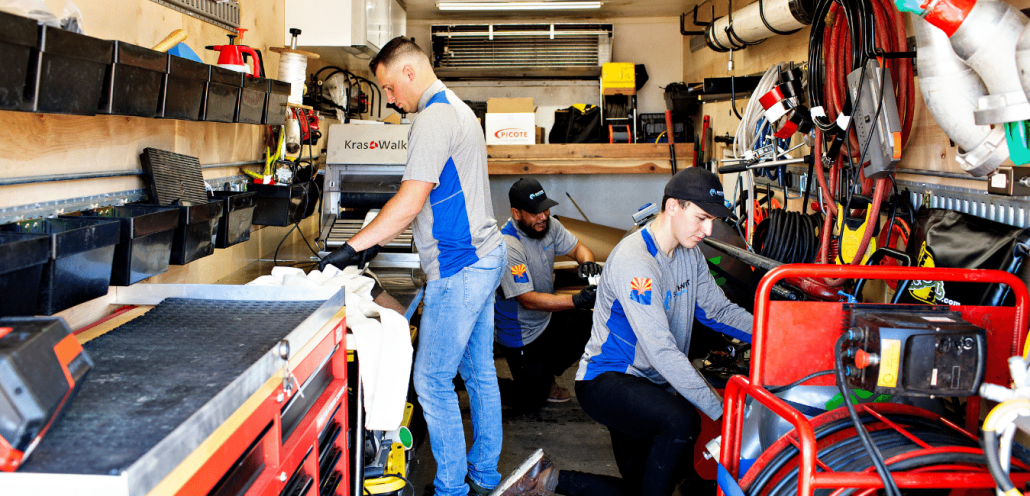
24 257
19 56
278 97
279 205
80 266
71 72
184 89
133 82
253 96
193 236
237 217
223 95
146 240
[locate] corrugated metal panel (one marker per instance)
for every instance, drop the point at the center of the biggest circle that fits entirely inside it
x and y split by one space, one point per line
500 46
221 13
1011 210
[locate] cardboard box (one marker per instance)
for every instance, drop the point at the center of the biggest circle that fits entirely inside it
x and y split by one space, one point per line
539 135
510 121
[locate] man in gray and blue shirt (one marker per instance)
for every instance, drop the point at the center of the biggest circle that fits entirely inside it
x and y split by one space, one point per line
540 333
445 195
634 376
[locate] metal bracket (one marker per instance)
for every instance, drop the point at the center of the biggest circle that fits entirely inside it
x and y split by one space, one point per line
222 13
59 207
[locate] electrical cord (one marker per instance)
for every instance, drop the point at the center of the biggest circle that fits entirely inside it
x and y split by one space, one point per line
788 237
881 468
799 382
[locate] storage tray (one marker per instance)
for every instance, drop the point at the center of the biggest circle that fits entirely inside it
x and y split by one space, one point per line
19 54
24 257
253 96
71 72
184 89
146 240
133 82
223 95
278 96
236 219
279 205
80 266
194 236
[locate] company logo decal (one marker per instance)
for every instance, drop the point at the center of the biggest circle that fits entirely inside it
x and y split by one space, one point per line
375 145
511 132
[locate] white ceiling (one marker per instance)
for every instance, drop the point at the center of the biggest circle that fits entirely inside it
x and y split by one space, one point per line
426 10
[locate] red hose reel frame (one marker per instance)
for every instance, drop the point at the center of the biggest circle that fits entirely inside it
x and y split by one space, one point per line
802 343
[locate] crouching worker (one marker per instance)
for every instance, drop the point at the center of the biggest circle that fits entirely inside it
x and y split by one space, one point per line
541 334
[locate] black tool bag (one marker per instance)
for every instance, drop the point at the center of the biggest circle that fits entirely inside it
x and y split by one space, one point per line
948 238
572 125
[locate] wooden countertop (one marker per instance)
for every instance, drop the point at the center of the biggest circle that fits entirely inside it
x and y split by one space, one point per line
586 158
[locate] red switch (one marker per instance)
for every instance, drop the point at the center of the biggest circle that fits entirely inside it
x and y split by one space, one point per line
863 359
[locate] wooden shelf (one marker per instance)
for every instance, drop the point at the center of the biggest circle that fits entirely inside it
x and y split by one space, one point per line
586 158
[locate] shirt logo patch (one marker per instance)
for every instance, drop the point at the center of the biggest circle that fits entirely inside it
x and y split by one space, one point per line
640 290
519 273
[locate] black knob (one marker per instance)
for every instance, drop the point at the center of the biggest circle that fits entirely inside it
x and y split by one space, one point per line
295 31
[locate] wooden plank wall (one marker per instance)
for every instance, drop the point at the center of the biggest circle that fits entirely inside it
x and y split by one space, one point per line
41 145
928 149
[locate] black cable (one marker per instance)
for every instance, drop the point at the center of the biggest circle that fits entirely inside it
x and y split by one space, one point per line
275 256
788 236
881 468
991 445
761 12
800 381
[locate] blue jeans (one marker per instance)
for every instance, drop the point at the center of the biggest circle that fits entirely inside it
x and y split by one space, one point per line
457 335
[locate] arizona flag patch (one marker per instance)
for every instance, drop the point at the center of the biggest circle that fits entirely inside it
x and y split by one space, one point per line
640 290
519 273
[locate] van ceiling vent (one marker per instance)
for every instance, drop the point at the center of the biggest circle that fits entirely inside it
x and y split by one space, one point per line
522 46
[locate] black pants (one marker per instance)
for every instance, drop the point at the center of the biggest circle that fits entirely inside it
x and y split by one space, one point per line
534 366
652 431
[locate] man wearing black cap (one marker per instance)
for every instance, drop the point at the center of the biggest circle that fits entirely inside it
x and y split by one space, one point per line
541 334
634 376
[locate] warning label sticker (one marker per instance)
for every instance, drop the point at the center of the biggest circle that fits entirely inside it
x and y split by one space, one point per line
890 357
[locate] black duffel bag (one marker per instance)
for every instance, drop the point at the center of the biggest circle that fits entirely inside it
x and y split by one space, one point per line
575 125
948 238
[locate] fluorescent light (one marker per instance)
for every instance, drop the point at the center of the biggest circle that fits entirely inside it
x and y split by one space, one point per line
570 5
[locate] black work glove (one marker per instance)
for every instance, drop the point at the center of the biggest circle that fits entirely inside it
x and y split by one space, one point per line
345 256
585 298
588 269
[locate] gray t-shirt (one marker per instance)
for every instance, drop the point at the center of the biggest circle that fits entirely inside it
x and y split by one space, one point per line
530 268
646 304
456 226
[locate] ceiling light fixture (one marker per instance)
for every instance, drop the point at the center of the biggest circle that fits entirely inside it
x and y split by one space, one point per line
485 6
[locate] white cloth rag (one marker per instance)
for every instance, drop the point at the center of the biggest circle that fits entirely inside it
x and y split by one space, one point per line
381 335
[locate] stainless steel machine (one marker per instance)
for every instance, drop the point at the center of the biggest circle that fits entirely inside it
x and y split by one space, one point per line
364 166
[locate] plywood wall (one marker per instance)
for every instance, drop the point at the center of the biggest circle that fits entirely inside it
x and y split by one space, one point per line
928 147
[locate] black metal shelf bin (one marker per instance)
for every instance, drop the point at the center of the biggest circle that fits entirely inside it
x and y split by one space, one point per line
24 256
19 56
132 85
280 205
278 96
223 95
71 72
253 97
184 89
237 217
80 266
193 237
145 246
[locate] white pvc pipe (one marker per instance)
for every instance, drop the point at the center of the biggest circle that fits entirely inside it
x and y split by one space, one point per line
951 91
1023 60
986 41
782 15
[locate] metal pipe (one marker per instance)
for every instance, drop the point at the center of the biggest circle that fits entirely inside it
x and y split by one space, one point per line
743 255
952 91
11 181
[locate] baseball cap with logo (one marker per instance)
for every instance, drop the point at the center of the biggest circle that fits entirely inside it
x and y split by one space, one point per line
527 194
700 187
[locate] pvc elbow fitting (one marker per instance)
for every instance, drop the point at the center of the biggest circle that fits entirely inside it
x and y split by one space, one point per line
951 91
986 41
